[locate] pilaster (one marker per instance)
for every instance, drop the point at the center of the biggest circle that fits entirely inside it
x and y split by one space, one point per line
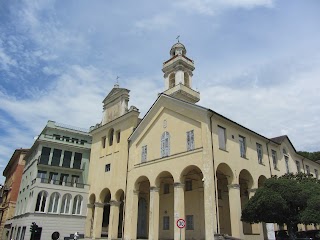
154 214
178 209
235 210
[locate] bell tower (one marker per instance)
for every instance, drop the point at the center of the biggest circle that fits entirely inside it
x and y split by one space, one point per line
178 75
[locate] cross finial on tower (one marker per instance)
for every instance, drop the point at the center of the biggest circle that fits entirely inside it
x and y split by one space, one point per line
117 82
178 38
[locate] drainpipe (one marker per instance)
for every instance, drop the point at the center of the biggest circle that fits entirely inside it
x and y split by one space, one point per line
269 157
214 177
125 193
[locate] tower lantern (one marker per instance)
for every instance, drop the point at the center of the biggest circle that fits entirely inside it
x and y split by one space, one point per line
178 75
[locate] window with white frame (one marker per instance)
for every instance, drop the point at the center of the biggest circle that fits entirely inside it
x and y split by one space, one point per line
144 153
222 138
65 205
189 222
274 159
259 152
308 169
298 166
165 144
53 203
77 202
166 222
316 173
190 140
286 158
242 144
41 201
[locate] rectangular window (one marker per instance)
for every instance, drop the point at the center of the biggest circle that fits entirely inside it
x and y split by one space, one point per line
242 143
103 142
42 175
188 185
189 222
286 158
66 159
308 169
53 177
77 160
65 138
259 152
82 142
190 140
56 157
222 137
274 159
74 140
74 179
57 137
63 178
166 188
118 136
45 153
144 153
316 173
298 166
108 167
166 222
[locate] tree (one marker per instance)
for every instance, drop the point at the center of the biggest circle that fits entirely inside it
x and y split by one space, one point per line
289 199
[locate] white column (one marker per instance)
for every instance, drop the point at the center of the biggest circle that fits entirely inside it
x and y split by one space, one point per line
97 221
235 211
113 220
178 209
89 220
154 214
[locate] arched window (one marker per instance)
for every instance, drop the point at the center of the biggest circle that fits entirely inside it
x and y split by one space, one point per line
77 202
186 79
54 201
165 144
111 133
172 80
41 201
65 205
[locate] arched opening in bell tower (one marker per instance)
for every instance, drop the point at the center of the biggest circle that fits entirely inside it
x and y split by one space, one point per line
172 80
186 79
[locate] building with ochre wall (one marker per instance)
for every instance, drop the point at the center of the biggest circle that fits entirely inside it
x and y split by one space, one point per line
10 189
181 160
54 191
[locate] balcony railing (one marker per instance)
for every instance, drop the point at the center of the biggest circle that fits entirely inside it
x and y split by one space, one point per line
58 182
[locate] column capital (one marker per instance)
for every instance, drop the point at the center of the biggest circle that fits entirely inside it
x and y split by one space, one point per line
234 186
154 189
90 205
100 205
178 185
136 192
115 203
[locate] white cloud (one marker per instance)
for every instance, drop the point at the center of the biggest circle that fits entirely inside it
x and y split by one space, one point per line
212 7
154 23
6 61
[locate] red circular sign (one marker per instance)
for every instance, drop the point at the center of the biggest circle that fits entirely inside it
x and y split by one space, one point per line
181 223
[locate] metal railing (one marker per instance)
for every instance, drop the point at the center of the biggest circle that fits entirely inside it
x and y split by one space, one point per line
59 182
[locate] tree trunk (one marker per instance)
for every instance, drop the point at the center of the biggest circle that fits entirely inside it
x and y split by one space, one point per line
292 230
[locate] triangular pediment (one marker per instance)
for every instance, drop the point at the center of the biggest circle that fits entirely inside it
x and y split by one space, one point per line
115 92
183 111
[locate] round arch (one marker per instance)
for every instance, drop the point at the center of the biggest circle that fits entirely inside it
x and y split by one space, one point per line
223 169
261 181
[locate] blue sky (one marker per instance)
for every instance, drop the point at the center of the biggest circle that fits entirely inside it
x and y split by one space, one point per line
257 62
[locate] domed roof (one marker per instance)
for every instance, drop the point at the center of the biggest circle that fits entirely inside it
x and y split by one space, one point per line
178 46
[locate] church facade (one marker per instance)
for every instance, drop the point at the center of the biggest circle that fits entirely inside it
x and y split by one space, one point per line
180 161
